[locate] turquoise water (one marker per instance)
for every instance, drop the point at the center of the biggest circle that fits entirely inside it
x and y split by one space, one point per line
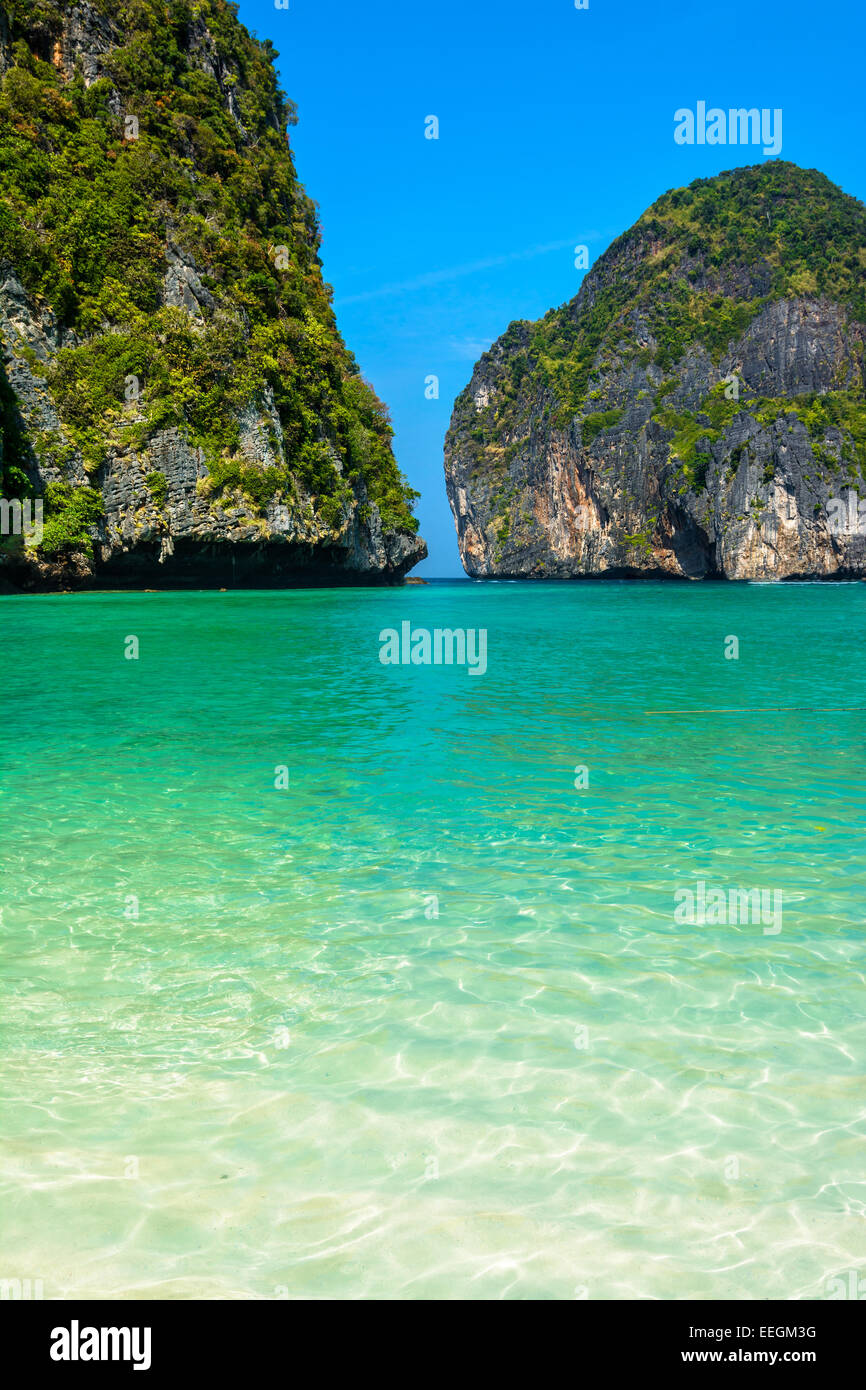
423 1024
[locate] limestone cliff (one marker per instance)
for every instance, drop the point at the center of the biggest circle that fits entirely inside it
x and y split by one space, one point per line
174 385
696 411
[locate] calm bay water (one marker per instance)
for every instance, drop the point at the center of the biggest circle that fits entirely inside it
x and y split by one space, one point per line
423 1023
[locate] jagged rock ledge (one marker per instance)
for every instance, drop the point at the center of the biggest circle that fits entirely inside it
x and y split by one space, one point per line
198 564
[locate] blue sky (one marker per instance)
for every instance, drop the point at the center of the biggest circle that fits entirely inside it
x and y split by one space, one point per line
556 129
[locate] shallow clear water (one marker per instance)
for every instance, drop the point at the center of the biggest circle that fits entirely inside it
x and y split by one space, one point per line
242 1055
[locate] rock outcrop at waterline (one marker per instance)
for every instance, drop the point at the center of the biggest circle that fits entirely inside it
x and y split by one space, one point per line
173 384
696 411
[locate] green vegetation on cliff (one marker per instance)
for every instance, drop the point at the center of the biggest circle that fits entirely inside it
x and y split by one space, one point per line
695 269
69 514
181 146
835 422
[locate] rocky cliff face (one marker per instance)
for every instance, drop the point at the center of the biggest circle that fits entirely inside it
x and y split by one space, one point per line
697 411
173 385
